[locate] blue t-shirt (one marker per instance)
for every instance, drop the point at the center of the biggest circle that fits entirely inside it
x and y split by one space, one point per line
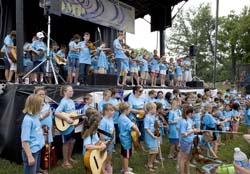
90 140
125 126
67 106
73 54
48 120
40 45
135 103
85 53
7 41
115 102
162 66
209 121
150 100
107 125
178 70
185 126
102 59
132 64
173 116
61 54
197 120
119 54
164 103
188 64
154 63
32 133
204 143
101 105
144 65
149 122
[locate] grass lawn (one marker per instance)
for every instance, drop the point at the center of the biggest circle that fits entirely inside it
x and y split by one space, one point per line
138 160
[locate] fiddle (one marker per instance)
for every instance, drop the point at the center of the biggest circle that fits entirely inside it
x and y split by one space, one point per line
45 151
157 129
90 45
156 57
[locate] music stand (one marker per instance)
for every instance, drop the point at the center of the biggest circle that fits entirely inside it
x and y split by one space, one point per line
48 59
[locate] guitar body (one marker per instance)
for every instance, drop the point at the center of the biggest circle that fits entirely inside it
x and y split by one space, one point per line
12 55
141 115
60 61
36 55
93 160
134 137
62 125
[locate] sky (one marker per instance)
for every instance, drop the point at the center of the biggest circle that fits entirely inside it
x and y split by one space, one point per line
143 37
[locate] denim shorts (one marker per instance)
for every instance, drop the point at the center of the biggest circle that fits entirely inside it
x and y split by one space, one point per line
186 147
6 63
74 62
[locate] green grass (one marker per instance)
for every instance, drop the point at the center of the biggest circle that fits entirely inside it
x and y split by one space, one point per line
138 160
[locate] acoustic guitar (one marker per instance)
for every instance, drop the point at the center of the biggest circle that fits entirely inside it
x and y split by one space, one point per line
141 114
12 55
36 54
60 60
94 160
63 125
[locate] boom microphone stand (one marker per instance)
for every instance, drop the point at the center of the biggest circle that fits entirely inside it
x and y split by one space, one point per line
48 59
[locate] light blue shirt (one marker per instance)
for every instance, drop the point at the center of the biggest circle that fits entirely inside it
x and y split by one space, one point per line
119 54
7 41
125 126
185 126
150 100
73 54
61 54
154 64
67 106
149 122
32 133
144 65
115 102
85 53
135 103
107 125
40 45
209 121
173 116
48 120
101 105
187 63
164 102
102 59
90 140
197 120
178 70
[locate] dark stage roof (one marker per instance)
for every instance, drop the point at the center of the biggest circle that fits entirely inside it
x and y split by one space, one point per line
144 7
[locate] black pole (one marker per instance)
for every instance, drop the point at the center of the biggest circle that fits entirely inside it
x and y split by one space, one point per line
19 35
215 44
162 43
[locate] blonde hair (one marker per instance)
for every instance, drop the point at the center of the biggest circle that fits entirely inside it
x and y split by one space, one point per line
33 104
40 88
124 106
107 107
150 106
64 89
106 93
208 107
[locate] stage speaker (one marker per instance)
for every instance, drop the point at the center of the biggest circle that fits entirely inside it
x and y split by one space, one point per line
160 18
247 89
195 84
102 79
192 50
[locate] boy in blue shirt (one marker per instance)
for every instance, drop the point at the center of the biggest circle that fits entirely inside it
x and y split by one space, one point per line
151 139
102 63
125 126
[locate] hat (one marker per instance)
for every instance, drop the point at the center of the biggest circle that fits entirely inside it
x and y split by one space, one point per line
39 35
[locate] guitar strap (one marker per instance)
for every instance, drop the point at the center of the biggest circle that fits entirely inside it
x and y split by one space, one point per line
104 133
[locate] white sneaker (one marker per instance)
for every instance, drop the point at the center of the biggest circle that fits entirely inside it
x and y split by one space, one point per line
129 173
129 170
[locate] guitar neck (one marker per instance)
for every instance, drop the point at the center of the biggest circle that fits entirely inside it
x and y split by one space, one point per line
78 116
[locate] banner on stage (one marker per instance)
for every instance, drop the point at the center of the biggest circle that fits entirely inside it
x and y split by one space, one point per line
109 13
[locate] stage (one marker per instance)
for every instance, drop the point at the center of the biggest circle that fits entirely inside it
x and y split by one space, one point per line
12 99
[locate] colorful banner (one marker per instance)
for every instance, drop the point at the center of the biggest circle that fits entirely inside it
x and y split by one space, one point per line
109 13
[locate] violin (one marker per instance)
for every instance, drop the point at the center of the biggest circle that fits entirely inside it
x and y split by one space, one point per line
157 129
45 150
135 141
156 57
109 54
90 45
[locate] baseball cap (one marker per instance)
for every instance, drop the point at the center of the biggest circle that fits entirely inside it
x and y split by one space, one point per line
39 35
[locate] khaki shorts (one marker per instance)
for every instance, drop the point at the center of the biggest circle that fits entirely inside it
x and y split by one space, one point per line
102 71
134 70
153 151
144 75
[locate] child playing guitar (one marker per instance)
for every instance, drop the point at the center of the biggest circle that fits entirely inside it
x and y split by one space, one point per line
67 105
91 140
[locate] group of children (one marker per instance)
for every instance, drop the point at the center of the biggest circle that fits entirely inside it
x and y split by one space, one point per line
82 58
152 117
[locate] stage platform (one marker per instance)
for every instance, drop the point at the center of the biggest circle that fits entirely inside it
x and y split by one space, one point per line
12 99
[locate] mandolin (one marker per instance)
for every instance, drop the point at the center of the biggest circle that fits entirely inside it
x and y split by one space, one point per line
63 125
60 60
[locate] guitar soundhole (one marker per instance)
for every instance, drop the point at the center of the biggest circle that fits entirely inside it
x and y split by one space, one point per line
63 123
96 163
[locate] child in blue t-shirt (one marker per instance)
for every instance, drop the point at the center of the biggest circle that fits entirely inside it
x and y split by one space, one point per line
125 126
106 97
32 135
151 139
67 106
107 125
102 63
87 101
173 135
90 137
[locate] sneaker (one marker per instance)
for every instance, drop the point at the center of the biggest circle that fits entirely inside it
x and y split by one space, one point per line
129 170
129 173
157 161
